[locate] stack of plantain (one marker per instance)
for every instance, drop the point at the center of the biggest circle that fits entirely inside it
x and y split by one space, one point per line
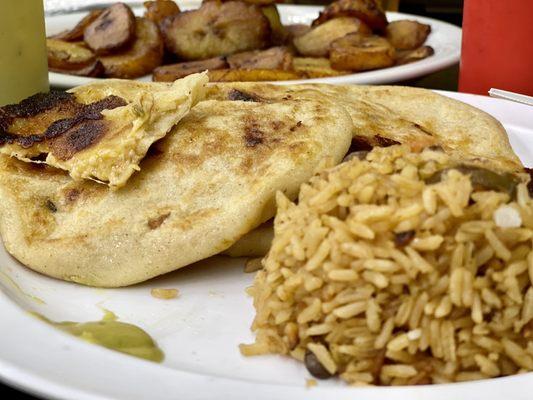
110 42
235 41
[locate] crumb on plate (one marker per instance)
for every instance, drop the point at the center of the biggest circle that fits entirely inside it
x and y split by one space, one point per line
164 294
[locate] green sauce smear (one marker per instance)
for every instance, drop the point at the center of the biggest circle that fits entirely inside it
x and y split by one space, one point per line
112 334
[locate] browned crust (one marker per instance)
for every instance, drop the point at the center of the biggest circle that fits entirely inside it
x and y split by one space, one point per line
38 104
34 105
72 195
68 135
253 135
77 138
155 223
239 95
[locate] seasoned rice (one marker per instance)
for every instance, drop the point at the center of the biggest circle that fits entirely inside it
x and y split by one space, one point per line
382 274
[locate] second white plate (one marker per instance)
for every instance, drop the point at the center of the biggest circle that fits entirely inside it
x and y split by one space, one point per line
444 38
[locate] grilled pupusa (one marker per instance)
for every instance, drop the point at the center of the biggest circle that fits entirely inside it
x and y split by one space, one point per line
386 115
207 183
212 179
99 131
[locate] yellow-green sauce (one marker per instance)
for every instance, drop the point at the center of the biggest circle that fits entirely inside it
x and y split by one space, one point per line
115 335
6 279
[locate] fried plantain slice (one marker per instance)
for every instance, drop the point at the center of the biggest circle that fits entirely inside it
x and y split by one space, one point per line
94 70
169 73
274 58
367 11
409 56
251 75
76 34
315 67
317 41
216 29
112 30
357 52
407 34
141 58
68 56
157 11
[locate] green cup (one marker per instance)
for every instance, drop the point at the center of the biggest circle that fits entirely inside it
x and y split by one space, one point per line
23 60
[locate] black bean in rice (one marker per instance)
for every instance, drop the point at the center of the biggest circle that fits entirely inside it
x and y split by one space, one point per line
386 279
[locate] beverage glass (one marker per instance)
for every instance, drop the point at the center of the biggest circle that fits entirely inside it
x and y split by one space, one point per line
497 48
23 60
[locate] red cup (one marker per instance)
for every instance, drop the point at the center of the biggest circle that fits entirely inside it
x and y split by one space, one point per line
497 48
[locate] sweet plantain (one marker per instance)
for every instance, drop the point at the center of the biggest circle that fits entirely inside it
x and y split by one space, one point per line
317 41
357 52
216 29
141 58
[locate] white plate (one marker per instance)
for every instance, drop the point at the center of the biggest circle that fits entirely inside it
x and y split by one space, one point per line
444 38
199 331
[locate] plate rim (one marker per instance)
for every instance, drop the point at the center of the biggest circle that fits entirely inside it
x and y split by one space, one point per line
236 388
397 73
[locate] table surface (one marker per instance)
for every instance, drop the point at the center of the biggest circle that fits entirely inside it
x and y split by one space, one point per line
441 80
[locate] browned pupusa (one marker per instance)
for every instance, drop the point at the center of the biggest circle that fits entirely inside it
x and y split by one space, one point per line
214 177
385 115
98 131
207 183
